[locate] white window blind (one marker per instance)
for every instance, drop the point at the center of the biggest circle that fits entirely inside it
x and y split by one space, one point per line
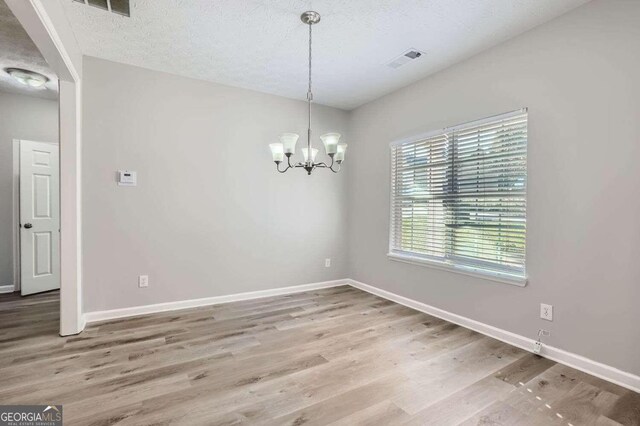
458 197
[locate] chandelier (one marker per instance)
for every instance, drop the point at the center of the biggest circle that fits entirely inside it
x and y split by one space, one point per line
287 145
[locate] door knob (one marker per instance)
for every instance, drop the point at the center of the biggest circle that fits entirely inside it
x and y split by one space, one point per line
28 225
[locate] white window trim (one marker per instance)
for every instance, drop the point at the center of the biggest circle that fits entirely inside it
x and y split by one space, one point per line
459 269
440 265
427 135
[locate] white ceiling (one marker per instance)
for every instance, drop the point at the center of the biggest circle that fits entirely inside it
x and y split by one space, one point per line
18 51
262 45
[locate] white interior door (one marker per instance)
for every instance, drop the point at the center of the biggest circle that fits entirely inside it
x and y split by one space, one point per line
39 217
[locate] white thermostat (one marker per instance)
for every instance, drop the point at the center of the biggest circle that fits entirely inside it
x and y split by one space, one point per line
126 178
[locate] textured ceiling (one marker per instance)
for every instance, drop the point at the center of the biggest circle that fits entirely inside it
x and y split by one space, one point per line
262 45
18 51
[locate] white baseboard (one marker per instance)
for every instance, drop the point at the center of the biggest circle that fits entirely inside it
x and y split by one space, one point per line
90 317
576 361
7 289
603 371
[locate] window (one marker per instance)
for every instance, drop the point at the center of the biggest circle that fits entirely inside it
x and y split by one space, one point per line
458 198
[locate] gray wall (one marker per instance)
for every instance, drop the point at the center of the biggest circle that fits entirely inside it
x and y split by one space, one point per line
210 216
21 117
580 77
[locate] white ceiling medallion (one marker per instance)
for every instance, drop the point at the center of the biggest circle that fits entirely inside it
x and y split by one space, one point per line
287 145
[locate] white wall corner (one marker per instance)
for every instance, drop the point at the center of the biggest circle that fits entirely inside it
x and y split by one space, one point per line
579 362
70 208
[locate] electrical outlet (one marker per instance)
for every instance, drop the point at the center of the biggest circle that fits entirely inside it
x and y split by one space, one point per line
546 312
327 263
143 281
537 347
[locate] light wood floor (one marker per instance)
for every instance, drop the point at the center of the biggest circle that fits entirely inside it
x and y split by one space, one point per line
337 356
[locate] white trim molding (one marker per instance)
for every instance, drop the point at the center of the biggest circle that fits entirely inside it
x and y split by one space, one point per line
603 371
70 101
6 289
459 269
579 362
90 317
47 25
16 215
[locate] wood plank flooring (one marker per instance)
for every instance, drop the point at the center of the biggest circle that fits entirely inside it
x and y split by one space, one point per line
337 356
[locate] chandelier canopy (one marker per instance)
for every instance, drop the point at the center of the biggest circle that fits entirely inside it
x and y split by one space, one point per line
287 145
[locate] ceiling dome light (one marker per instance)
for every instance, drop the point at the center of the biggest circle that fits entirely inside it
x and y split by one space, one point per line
26 77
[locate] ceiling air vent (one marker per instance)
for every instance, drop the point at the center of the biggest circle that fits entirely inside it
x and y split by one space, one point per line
121 7
408 56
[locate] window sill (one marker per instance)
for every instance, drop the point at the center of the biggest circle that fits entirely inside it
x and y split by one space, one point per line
459 269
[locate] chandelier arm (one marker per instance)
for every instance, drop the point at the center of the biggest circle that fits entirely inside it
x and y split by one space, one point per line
278 167
332 163
292 166
324 165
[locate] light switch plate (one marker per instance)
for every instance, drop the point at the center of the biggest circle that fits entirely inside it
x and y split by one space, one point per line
546 312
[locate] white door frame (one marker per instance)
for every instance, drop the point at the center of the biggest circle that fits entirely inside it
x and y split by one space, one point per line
16 214
48 27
